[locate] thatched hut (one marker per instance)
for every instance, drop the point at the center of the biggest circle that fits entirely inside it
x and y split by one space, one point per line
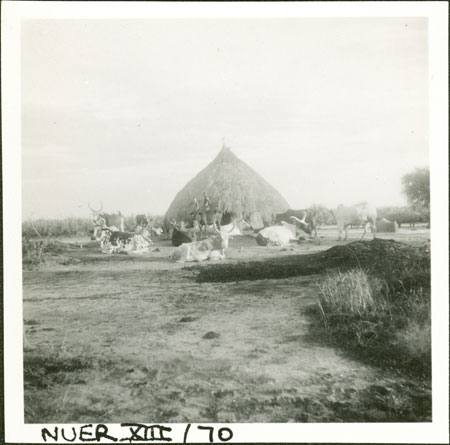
230 185
386 226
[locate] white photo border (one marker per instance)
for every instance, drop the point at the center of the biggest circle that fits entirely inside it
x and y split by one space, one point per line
437 431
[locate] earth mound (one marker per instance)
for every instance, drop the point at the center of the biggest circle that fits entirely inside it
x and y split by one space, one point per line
384 258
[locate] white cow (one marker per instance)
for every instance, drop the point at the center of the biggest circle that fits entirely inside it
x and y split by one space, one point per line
358 214
277 235
211 248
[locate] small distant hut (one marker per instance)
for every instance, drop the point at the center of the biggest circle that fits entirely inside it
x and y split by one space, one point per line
386 226
231 185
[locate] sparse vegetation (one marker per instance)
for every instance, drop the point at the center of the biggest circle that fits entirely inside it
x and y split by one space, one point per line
118 337
56 390
384 313
37 252
69 227
56 227
322 214
351 296
375 296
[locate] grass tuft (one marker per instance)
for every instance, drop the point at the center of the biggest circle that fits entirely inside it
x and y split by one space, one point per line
387 323
352 293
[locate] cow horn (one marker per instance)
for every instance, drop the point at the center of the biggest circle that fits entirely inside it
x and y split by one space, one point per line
95 211
301 221
232 228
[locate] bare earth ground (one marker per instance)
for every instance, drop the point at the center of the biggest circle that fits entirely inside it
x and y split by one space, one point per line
115 338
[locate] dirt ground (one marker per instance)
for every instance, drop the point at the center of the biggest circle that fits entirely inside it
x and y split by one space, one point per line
115 338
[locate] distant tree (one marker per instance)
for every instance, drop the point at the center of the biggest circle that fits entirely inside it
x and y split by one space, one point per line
416 187
322 214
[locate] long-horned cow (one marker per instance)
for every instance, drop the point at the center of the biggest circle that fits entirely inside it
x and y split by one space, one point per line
277 235
209 248
307 227
102 220
305 220
358 214
180 236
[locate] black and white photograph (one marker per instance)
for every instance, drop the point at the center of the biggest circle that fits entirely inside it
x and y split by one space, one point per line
223 219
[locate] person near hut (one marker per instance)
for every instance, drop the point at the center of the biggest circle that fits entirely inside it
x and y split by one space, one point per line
196 206
195 212
206 202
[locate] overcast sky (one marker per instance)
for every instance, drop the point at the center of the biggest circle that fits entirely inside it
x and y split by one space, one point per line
126 112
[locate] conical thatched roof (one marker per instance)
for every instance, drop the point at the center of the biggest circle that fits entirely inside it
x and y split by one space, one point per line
232 184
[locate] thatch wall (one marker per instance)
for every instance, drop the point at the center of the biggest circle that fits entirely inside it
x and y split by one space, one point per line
255 221
233 185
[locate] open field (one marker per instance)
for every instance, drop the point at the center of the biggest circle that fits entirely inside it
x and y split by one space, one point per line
114 338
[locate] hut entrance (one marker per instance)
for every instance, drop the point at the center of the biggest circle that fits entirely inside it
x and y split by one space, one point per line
226 218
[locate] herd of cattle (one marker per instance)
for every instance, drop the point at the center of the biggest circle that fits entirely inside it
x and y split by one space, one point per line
205 239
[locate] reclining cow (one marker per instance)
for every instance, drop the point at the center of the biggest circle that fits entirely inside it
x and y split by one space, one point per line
211 248
277 235
130 242
358 214
304 219
305 226
180 235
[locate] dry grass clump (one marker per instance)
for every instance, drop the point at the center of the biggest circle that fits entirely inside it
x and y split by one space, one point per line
352 304
384 321
415 339
351 293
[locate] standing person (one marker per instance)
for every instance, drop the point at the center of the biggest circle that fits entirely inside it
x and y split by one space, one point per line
195 211
206 202
196 206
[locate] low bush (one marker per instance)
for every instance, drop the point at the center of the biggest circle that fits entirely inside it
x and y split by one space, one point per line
36 252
